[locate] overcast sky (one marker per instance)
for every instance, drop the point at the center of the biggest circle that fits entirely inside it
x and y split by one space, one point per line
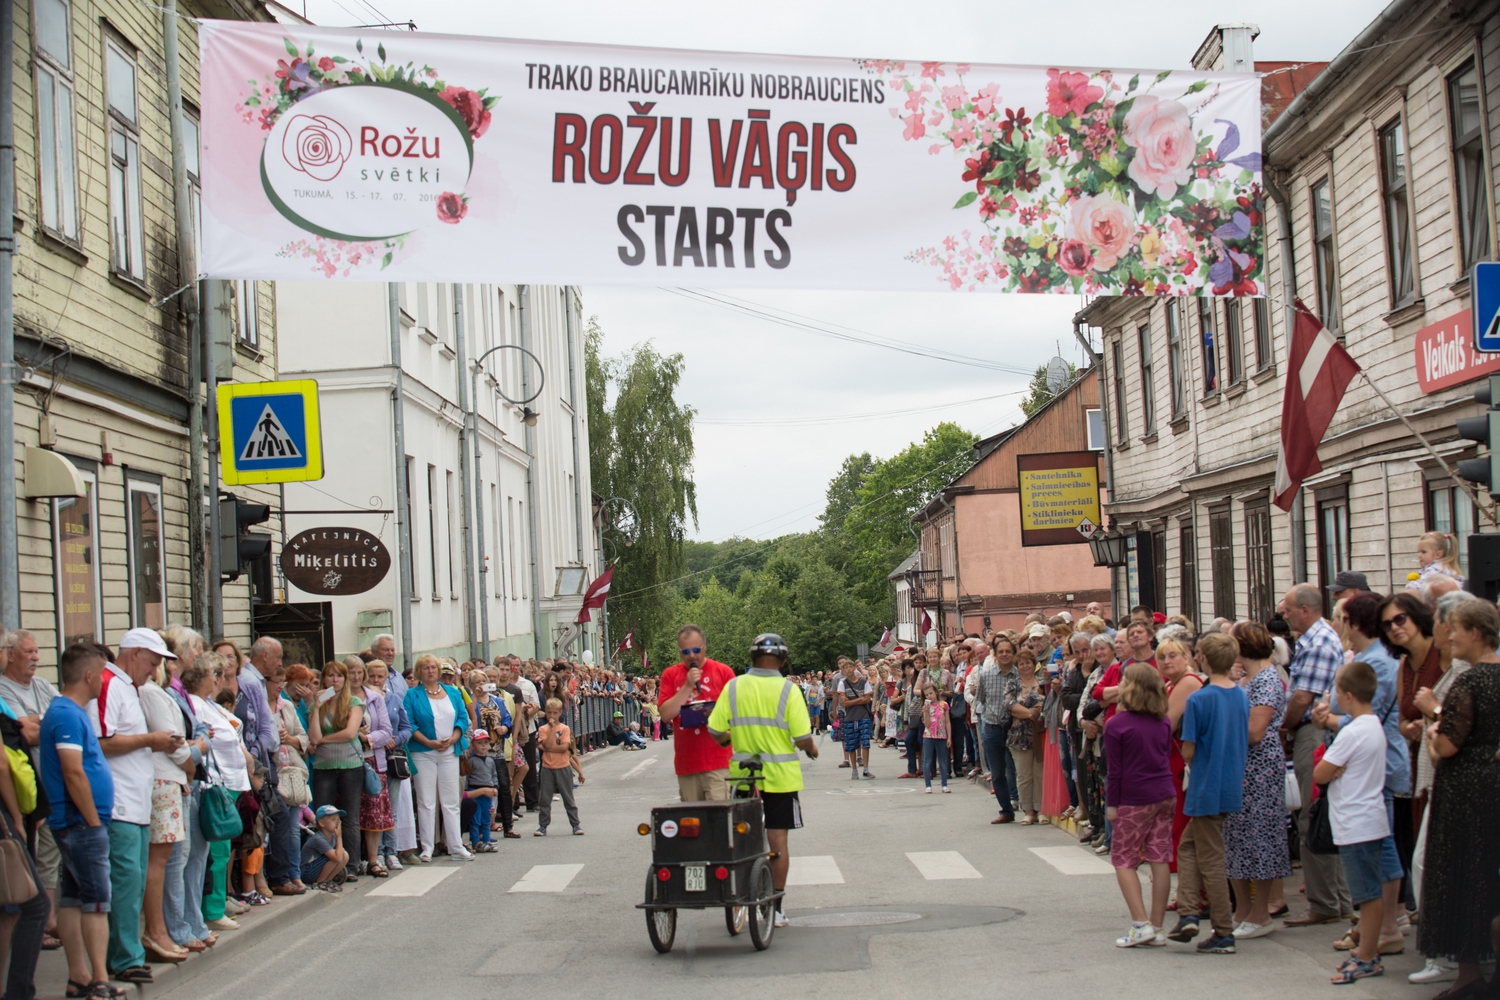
763 479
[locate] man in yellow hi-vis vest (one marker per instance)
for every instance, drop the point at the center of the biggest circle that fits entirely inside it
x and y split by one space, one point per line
762 713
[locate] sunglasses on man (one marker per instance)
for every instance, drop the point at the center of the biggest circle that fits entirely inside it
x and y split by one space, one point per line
691 652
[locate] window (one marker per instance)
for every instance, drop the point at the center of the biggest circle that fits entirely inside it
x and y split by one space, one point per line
1094 422
1174 359
1148 396
1333 536
497 565
1209 333
1258 560
1325 264
195 183
246 313
57 174
1263 356
1187 558
75 558
521 516
1121 434
1234 341
128 246
1158 569
1473 201
1398 247
411 563
454 543
148 601
1221 561
1450 511
432 537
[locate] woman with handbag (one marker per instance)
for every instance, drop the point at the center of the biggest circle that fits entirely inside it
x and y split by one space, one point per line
293 783
338 763
397 772
1255 842
226 767
1023 700
440 724
375 738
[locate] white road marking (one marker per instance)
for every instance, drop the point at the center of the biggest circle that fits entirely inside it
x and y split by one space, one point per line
816 869
639 768
547 878
935 865
412 882
1074 860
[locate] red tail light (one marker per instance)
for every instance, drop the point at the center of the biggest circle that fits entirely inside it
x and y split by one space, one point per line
721 873
689 827
663 874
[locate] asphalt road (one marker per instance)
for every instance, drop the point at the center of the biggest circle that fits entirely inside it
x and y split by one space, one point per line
912 895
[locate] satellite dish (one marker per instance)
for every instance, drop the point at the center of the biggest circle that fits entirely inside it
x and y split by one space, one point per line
1057 375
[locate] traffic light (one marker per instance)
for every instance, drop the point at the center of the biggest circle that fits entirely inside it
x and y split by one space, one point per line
238 546
1485 429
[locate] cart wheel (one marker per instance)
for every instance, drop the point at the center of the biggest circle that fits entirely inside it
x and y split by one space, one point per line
734 919
661 925
762 915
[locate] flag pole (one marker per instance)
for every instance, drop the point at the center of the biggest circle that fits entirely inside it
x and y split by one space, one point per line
1487 508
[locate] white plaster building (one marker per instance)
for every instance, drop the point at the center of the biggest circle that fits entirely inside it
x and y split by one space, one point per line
340 335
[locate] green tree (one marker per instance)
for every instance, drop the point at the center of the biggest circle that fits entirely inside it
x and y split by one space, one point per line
1039 393
725 620
843 491
828 620
641 449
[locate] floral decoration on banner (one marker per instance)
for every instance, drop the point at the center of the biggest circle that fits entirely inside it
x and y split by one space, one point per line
318 146
1108 189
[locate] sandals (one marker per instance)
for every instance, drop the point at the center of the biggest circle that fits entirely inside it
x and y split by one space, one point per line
1353 969
328 886
136 975
161 954
76 990
378 870
99 989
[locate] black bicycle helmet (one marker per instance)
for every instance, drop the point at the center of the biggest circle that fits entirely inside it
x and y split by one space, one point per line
768 644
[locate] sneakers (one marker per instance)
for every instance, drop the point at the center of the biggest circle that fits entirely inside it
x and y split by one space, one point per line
780 920
1102 849
461 855
947 790
1435 971
1216 945
1138 935
1248 930
853 774
540 831
868 774
1185 931
393 863
425 858
578 831
224 924
927 790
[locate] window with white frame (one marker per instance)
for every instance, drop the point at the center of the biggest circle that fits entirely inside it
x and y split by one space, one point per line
1234 341
57 173
1094 420
127 240
1148 377
246 314
1325 265
1263 357
1398 236
1472 193
148 592
1121 434
75 558
195 185
1174 359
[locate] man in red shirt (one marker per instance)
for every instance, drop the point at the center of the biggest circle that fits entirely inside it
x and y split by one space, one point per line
687 694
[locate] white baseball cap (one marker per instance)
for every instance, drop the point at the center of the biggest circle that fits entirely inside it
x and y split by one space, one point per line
145 638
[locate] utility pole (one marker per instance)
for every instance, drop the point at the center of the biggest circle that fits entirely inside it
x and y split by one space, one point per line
466 521
536 573
398 424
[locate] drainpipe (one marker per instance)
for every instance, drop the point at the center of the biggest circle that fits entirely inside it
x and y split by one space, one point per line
531 520
465 521
10 571
187 273
471 420
398 424
1109 449
1286 250
569 298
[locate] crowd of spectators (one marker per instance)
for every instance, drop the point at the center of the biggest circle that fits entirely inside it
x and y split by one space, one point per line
167 788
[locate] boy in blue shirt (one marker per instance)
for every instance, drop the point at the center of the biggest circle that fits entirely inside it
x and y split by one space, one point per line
81 789
1215 741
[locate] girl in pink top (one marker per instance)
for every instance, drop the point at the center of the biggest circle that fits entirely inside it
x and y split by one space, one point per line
937 737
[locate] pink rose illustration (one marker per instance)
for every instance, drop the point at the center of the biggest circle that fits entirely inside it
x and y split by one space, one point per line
451 208
470 107
1105 226
316 145
1162 134
1075 257
1069 93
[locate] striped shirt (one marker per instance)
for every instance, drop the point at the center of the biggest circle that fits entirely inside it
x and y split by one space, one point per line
1316 661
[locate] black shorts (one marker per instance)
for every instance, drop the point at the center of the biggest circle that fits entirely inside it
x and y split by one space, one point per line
783 810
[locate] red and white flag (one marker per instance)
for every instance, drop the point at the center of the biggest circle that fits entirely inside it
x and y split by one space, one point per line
926 622
628 642
885 637
1317 375
596 594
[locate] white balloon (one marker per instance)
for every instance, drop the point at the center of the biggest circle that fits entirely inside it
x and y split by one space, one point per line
588 656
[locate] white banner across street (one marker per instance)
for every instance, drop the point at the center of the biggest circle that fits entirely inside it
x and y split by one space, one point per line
371 155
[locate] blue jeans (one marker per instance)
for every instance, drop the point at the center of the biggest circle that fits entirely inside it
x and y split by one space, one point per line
634 740
285 848
997 758
479 826
933 752
193 872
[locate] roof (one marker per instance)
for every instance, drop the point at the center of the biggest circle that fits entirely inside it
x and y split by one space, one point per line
910 562
1280 85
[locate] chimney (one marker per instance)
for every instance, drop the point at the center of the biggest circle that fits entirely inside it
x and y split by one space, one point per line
1227 49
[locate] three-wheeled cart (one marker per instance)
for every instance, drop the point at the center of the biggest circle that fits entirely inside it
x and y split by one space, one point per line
706 855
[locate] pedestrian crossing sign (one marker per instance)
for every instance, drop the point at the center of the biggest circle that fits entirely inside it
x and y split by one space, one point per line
269 432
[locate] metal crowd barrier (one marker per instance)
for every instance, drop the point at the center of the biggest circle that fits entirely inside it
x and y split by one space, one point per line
588 717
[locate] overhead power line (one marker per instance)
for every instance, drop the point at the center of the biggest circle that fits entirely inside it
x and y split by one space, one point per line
841 418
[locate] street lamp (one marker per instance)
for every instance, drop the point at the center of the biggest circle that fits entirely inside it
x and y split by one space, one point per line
1109 548
471 425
